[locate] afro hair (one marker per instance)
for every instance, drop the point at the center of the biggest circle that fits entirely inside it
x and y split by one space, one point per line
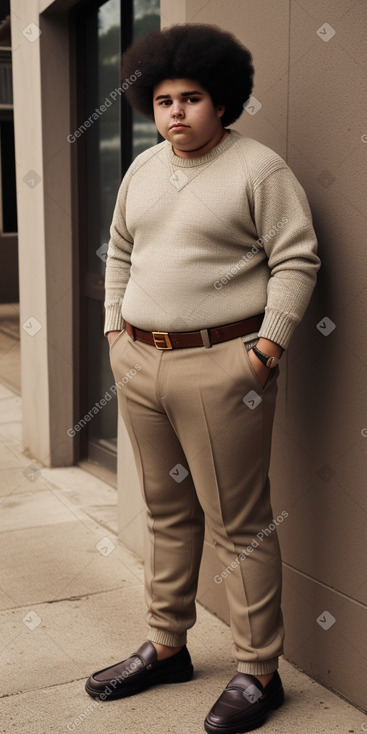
201 52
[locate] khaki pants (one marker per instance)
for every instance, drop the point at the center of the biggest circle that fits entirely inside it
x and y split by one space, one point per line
200 425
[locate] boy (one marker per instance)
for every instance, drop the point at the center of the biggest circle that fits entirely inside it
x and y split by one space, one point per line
211 264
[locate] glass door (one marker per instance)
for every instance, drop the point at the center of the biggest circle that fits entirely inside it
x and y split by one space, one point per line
109 136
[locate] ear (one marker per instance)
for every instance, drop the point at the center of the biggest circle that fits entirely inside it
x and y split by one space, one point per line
220 110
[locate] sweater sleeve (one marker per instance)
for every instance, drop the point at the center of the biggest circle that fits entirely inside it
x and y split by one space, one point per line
284 223
118 262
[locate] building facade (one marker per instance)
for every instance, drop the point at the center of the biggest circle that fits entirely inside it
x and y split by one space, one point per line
9 291
74 138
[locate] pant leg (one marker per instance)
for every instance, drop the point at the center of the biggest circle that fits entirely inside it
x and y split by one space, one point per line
174 516
227 445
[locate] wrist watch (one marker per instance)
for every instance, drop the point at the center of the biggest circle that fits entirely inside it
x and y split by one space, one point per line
266 359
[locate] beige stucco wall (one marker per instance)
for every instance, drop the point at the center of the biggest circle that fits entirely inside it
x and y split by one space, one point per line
41 121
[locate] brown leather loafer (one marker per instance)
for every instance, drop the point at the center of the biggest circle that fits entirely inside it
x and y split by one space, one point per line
138 672
244 704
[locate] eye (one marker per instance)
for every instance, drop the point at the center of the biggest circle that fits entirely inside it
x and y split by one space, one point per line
165 103
192 99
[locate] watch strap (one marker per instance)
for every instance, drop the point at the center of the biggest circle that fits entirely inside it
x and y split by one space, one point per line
266 359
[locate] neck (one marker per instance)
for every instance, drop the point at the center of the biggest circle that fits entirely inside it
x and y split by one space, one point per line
205 148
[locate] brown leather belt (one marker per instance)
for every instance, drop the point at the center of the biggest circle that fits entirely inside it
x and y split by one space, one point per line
203 338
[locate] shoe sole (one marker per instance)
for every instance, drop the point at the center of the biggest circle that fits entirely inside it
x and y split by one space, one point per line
250 724
111 694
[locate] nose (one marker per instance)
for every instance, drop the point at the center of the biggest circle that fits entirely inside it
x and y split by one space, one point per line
176 108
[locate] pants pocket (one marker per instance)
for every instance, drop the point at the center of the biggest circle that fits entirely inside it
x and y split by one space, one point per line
117 339
273 373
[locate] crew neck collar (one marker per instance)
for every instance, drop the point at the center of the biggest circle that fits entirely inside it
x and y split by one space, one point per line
210 156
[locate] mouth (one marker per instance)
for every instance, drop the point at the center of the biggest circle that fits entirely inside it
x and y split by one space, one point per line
178 126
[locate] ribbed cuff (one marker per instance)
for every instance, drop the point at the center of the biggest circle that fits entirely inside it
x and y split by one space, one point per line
268 666
167 638
113 319
278 327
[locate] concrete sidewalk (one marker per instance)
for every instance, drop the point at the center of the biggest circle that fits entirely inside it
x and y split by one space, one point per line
72 602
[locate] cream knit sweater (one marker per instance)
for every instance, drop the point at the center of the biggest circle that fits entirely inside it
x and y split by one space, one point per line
201 242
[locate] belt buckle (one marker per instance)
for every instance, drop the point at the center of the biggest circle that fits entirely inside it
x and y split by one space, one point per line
161 340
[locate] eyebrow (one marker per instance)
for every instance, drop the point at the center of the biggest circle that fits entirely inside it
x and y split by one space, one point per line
183 94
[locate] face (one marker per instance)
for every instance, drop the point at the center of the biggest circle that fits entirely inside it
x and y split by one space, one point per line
185 115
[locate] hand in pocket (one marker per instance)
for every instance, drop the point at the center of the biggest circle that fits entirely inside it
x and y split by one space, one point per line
112 336
262 372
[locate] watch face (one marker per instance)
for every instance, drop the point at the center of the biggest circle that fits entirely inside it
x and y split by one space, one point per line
272 362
